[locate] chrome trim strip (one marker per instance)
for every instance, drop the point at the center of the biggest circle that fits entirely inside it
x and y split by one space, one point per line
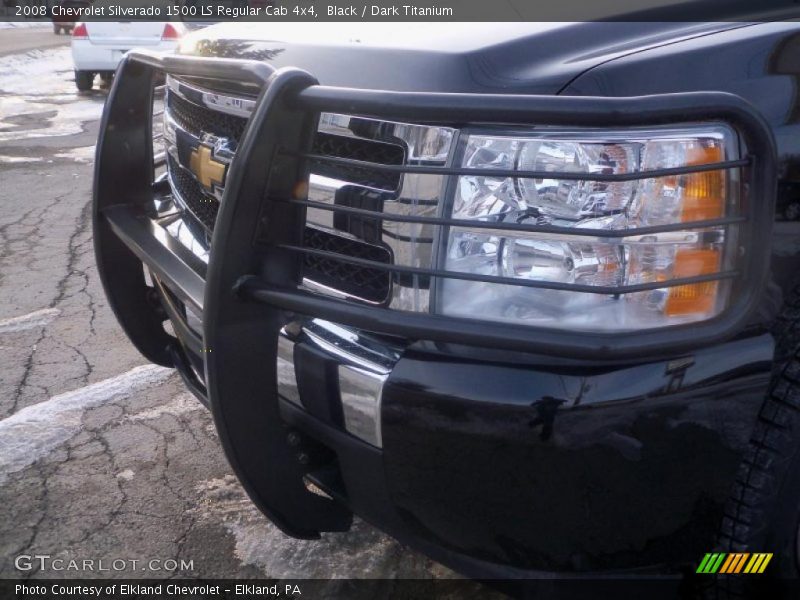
287 378
183 235
362 394
349 346
313 286
364 365
194 321
331 185
232 105
170 126
423 142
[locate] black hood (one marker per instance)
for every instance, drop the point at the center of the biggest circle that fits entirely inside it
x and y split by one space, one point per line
538 58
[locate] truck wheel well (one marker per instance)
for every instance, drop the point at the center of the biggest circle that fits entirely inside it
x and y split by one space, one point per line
762 513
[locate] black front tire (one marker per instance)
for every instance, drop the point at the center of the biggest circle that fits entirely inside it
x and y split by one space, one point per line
763 511
84 80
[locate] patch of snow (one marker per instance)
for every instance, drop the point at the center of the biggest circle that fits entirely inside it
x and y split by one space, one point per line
125 475
179 405
33 432
38 97
83 154
12 160
19 159
25 25
362 552
38 318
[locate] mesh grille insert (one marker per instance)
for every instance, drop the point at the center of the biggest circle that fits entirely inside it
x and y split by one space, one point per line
199 119
373 285
357 149
201 205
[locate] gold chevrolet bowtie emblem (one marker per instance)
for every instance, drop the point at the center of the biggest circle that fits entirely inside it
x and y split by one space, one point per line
207 170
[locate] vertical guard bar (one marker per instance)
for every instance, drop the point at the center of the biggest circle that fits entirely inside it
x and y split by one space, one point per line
124 171
241 337
124 176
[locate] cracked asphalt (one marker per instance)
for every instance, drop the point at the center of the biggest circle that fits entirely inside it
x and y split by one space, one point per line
101 455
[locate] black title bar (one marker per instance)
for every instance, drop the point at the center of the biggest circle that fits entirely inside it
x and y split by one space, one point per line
397 10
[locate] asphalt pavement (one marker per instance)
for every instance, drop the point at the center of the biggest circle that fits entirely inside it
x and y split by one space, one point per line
16 40
103 456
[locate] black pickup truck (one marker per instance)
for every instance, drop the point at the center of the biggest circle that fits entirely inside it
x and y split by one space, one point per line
520 295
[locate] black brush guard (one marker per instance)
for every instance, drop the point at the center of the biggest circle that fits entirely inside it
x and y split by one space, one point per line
251 287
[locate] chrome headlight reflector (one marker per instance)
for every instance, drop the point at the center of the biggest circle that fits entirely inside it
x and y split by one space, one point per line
600 184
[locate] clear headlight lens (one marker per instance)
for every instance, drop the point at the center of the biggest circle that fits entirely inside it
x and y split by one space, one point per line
623 206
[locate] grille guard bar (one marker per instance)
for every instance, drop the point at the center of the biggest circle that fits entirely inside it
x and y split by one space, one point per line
310 99
251 287
436 108
250 430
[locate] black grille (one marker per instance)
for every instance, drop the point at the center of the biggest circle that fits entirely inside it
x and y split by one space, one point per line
373 285
201 205
199 119
358 149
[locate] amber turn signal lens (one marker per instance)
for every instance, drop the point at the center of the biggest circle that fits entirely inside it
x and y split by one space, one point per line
696 298
703 193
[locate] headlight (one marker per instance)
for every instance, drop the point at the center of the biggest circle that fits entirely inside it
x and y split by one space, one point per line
560 260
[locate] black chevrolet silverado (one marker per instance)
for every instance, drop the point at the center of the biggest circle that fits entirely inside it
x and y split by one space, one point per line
520 295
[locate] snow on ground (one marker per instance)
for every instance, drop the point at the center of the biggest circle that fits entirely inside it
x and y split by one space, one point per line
25 24
35 431
38 96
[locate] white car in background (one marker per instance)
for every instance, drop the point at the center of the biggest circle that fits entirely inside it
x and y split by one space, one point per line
98 46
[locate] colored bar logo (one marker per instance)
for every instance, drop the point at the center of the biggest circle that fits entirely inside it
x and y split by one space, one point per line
734 563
